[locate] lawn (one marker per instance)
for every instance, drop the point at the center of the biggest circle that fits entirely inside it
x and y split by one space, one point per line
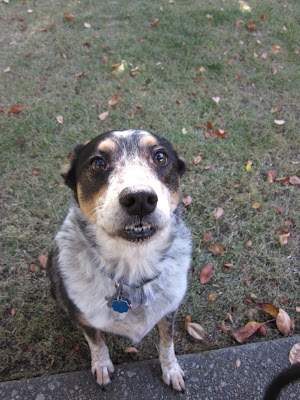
179 68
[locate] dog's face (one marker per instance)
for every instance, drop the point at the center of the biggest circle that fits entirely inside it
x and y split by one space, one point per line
126 182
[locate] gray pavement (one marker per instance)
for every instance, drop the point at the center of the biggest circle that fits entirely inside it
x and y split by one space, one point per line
210 375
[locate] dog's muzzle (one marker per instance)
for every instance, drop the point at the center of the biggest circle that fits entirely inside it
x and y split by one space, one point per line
138 202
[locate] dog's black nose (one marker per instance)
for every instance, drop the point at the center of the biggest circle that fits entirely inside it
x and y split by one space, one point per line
139 200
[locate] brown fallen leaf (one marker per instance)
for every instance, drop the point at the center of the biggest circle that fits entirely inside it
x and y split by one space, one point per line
283 239
220 132
251 26
276 49
11 311
36 171
229 316
16 109
218 212
216 249
267 308
242 334
224 327
43 260
206 273
33 268
131 350
283 179
188 319
238 363
283 322
212 296
105 59
103 116
294 180
197 159
69 16
187 200
207 237
209 125
256 205
60 119
155 22
114 100
271 176
227 267
61 339
294 355
49 27
196 331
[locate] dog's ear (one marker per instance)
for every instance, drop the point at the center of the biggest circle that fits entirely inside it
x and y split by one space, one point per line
68 171
181 165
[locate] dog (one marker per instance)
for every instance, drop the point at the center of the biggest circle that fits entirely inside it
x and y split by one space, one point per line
284 378
120 259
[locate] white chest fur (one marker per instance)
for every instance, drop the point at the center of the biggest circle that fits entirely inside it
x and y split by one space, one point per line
88 282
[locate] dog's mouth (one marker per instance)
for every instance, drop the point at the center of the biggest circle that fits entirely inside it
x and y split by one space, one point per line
137 233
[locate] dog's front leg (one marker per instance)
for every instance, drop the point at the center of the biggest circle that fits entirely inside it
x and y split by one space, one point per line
171 370
101 363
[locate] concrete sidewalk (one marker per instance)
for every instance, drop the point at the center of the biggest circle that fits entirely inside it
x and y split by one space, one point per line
211 375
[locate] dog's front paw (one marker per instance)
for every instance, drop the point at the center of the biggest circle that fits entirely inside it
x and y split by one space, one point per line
172 373
102 370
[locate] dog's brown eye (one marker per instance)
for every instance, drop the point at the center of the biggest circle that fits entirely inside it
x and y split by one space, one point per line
97 164
160 158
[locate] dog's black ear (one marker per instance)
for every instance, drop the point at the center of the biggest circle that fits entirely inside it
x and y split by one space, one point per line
68 171
181 165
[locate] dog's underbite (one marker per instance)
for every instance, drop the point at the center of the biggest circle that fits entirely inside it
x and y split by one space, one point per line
120 260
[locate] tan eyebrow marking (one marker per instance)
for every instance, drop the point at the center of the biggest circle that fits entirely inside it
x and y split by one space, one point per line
148 140
107 145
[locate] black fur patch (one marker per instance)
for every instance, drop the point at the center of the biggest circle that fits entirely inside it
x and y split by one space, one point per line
92 182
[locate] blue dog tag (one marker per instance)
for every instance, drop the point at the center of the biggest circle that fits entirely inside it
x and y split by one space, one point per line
120 306
117 302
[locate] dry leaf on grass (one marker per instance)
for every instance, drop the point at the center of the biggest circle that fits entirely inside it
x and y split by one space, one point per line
267 308
43 260
207 237
216 249
271 176
188 319
218 212
187 200
197 159
283 239
206 273
69 16
112 102
131 350
60 119
294 180
246 331
196 331
103 116
283 322
16 109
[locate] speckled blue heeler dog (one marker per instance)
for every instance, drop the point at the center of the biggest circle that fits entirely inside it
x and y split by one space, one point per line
120 259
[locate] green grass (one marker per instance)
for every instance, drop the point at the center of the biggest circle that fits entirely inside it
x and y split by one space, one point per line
168 61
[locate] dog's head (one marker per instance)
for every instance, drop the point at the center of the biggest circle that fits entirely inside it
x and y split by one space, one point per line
126 182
